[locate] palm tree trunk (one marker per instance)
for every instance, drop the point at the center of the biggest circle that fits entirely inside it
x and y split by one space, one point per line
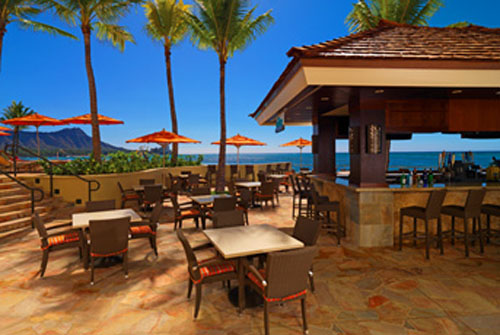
2 33
221 167
173 116
96 137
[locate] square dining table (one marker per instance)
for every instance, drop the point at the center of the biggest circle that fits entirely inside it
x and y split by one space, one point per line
237 243
81 220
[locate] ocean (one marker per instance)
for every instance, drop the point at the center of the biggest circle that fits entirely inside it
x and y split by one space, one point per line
397 160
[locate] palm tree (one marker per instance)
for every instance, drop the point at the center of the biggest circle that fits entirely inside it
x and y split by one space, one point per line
101 17
367 13
166 23
14 110
22 11
225 26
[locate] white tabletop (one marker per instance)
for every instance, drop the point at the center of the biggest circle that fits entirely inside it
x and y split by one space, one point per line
248 184
277 176
208 199
250 240
81 220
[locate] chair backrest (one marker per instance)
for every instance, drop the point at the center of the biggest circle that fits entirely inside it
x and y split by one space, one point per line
307 230
231 188
194 180
190 256
276 184
175 204
234 169
269 168
286 272
200 191
153 193
228 219
187 172
473 202
156 213
212 168
267 188
101 205
293 183
109 236
224 204
433 208
245 198
249 171
146 181
262 176
315 195
39 225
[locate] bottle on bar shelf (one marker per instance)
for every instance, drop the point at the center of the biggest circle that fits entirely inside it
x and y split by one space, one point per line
415 177
431 178
424 178
403 179
409 182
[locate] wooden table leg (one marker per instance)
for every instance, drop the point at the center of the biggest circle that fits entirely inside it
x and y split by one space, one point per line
241 286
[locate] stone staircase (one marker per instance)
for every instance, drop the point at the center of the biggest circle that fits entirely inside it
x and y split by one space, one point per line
15 208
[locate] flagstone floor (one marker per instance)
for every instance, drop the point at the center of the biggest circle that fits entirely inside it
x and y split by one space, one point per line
358 291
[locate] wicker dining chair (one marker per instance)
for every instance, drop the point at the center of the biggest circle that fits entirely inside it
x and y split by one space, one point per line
432 211
152 194
193 181
244 203
100 205
221 205
249 173
283 279
204 190
144 182
490 210
228 219
147 228
52 241
108 238
185 211
265 194
471 210
276 189
128 195
323 207
204 271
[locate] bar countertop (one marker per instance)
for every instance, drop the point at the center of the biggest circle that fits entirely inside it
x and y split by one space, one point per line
462 186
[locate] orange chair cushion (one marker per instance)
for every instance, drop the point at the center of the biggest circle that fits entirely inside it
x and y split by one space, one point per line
130 197
146 229
257 282
215 269
61 239
190 212
241 208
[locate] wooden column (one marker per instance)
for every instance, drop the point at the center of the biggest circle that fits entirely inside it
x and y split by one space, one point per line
366 169
324 144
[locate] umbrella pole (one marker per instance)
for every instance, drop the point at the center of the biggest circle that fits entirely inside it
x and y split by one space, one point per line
38 140
163 146
237 155
300 158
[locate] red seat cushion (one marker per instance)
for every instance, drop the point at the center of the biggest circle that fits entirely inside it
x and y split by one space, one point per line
214 269
257 282
61 239
131 197
94 254
190 212
241 208
146 229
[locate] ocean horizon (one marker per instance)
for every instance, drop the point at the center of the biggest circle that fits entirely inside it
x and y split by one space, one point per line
397 160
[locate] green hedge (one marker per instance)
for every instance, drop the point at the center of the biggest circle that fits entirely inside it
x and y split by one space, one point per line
120 162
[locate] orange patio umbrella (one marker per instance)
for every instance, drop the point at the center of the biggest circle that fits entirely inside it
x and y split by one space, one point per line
36 120
5 129
239 141
300 143
163 138
87 119
4 133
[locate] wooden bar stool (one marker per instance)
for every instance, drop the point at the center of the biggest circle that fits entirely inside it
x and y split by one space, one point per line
323 207
431 211
490 210
471 210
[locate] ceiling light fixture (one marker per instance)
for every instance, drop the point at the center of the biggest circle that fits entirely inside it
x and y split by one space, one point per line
379 91
456 91
325 98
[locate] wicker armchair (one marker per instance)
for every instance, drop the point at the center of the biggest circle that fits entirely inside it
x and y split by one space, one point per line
265 194
244 203
322 208
283 279
152 194
185 211
147 228
204 271
100 205
221 205
108 238
61 239
128 195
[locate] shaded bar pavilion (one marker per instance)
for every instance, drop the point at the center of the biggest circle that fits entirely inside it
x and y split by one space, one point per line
386 84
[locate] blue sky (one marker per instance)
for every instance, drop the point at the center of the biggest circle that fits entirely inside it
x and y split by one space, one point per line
48 74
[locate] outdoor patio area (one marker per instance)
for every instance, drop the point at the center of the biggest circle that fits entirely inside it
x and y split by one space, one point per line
358 291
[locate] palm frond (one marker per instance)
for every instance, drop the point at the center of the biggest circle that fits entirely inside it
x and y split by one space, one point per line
462 24
427 11
38 26
67 12
113 33
362 17
166 20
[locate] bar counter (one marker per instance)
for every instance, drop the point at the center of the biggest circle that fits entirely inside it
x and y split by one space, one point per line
371 214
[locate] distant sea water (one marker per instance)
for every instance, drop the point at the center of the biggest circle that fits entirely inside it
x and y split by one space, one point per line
397 160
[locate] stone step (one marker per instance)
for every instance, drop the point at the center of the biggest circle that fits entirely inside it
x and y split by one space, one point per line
9 199
12 191
16 234
19 223
9 185
26 212
15 206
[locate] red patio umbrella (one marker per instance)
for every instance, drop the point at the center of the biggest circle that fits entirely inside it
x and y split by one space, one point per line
36 120
239 141
87 119
163 138
4 133
300 143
